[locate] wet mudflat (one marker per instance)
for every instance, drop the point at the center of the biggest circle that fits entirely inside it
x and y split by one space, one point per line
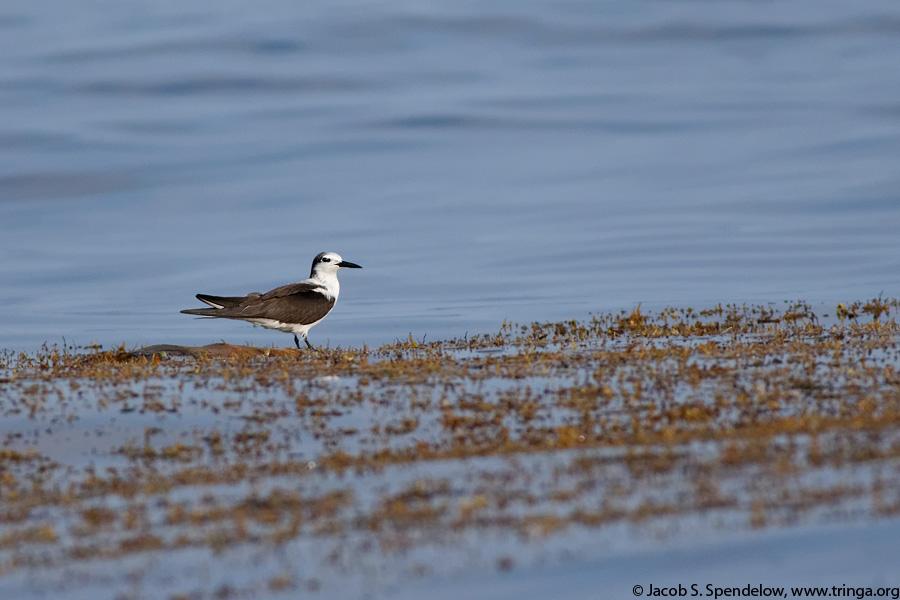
232 471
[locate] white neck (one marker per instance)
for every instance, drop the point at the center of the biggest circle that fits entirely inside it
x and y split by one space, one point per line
329 281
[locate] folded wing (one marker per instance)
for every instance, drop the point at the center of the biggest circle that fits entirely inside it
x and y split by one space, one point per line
293 303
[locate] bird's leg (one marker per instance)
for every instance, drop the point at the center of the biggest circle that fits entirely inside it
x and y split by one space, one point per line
308 345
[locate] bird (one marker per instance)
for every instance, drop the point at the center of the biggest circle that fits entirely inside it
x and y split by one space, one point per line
292 308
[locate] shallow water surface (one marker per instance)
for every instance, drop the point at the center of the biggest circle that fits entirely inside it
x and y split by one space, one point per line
484 162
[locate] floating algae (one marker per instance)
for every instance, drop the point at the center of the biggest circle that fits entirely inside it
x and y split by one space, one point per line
730 418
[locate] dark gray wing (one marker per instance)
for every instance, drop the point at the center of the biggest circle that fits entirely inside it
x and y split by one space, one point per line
222 306
225 301
301 308
303 302
293 303
291 289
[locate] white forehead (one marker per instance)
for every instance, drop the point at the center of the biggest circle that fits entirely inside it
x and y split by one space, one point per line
334 256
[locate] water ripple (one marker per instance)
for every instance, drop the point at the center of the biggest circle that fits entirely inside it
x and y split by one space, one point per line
49 185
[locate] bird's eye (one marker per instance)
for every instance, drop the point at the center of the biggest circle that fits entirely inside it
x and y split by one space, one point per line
326 260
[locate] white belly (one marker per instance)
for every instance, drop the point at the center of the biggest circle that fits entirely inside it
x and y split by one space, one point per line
294 328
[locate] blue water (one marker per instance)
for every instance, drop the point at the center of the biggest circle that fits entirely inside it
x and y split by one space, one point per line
484 161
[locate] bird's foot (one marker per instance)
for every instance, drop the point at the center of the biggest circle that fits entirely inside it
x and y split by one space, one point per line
308 345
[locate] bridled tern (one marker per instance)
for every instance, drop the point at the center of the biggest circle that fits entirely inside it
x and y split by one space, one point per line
292 308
